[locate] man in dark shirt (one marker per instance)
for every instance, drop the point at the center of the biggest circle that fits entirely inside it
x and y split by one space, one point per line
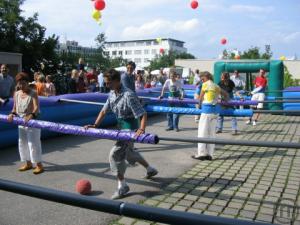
127 78
7 85
227 85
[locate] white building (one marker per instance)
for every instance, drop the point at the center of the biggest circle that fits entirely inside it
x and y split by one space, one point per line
142 51
73 47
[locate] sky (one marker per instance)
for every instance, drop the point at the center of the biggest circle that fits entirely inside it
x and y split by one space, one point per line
244 23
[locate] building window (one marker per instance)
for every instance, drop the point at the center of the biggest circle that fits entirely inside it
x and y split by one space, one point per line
116 44
154 51
128 52
146 51
122 44
140 43
137 60
137 52
129 44
146 60
114 52
148 43
120 52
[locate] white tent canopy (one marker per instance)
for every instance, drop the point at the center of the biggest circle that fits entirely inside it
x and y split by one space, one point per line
155 72
121 68
124 69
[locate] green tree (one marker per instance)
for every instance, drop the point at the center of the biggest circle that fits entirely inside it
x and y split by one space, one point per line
26 36
168 59
288 79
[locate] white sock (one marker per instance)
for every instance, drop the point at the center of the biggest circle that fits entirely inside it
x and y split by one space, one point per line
121 183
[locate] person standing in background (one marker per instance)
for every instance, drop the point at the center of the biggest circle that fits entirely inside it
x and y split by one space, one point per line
50 88
258 94
227 85
196 79
128 78
175 92
7 85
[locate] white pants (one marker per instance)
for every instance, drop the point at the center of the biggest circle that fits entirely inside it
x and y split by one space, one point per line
30 148
259 97
207 129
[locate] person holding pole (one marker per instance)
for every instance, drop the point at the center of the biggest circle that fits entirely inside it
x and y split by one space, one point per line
209 95
175 92
126 106
26 106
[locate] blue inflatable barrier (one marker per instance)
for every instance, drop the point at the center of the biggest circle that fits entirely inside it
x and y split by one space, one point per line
291 94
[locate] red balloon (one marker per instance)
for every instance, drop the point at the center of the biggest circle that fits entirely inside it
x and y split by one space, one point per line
83 187
223 41
161 51
99 5
194 4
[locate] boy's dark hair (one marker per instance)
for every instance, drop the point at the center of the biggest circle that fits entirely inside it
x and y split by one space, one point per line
112 75
131 63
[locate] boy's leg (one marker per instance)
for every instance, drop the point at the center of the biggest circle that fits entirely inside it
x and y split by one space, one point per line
117 158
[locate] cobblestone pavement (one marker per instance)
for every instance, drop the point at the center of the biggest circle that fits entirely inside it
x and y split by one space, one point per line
249 183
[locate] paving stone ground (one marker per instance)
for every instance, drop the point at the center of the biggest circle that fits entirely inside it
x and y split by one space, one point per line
249 183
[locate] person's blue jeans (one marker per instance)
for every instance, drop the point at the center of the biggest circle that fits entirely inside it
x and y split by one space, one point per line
221 120
173 120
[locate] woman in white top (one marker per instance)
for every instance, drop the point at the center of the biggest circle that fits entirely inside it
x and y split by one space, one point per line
175 92
26 106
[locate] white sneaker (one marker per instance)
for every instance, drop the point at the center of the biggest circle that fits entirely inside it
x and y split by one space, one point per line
254 123
248 122
121 192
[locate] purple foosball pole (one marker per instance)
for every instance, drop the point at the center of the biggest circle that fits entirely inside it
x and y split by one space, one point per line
78 130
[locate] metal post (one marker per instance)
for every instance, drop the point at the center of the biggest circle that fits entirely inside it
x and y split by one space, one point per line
233 142
119 208
280 112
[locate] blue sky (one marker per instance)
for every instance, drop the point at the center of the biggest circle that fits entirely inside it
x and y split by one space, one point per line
244 23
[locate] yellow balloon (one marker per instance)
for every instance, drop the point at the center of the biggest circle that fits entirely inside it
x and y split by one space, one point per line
96 14
158 40
282 57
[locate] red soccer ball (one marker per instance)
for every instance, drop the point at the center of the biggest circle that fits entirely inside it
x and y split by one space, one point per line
99 5
194 4
83 187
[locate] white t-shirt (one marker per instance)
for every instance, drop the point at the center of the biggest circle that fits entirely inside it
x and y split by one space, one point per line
196 79
174 87
238 82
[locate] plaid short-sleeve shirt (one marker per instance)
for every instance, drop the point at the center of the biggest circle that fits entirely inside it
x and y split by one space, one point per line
124 105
